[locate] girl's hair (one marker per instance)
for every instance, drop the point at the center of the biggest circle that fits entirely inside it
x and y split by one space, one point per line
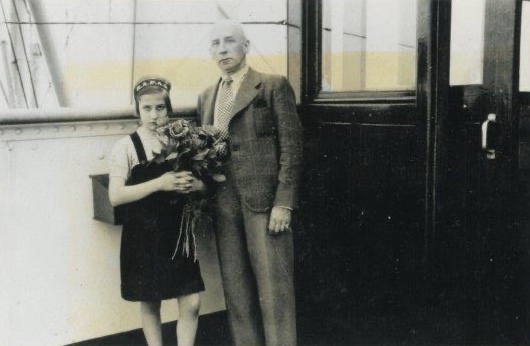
152 85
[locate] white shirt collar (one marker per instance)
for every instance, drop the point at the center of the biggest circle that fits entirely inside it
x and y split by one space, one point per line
238 76
145 132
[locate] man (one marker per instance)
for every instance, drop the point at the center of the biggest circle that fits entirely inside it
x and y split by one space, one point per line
257 113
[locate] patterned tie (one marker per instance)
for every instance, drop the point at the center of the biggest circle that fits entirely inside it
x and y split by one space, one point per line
226 101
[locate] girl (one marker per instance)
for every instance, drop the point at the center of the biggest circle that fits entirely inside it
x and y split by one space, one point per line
149 193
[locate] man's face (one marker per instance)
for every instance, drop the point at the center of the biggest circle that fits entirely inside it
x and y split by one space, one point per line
228 47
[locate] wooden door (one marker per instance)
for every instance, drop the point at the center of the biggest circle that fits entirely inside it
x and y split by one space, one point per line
478 244
361 248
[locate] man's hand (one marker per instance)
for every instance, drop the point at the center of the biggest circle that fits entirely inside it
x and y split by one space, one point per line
197 185
280 220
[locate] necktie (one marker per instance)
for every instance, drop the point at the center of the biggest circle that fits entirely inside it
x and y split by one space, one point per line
226 101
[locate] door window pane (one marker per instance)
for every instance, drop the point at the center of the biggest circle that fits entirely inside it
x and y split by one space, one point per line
467 41
368 45
524 65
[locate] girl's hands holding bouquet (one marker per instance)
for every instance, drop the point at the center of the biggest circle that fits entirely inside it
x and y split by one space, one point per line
180 182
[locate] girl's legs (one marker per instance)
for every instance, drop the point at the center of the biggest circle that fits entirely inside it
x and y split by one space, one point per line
189 306
151 323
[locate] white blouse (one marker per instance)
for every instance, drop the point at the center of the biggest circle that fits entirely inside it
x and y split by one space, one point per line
123 157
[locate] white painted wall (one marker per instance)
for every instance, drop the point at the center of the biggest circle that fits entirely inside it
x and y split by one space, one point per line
60 268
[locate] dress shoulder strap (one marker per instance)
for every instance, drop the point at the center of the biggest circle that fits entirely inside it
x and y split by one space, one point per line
139 147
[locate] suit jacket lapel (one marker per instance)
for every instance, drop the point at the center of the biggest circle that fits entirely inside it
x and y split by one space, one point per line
209 105
247 91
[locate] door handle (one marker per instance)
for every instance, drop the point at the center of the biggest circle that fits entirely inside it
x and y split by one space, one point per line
487 134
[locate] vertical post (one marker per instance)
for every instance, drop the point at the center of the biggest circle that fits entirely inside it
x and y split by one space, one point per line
7 69
49 53
133 54
294 46
337 45
362 72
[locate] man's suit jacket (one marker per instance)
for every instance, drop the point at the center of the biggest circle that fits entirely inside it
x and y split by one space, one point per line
265 140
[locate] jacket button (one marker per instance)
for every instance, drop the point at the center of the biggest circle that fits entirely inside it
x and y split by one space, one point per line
235 147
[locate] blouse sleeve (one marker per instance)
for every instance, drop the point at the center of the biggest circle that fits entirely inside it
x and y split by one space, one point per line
119 161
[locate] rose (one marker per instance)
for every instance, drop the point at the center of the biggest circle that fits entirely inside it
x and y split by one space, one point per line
178 130
212 131
199 143
221 150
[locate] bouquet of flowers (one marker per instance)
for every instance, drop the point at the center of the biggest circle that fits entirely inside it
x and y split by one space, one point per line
200 150
187 146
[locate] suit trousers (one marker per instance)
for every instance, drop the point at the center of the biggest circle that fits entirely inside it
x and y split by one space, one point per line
257 273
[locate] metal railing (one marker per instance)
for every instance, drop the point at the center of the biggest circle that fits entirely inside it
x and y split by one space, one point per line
68 115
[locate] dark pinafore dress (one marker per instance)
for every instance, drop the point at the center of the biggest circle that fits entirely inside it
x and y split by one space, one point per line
150 236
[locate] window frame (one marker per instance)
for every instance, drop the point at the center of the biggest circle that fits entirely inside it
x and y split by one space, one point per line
312 80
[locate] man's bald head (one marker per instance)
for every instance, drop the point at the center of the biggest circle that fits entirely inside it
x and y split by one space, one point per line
229 46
